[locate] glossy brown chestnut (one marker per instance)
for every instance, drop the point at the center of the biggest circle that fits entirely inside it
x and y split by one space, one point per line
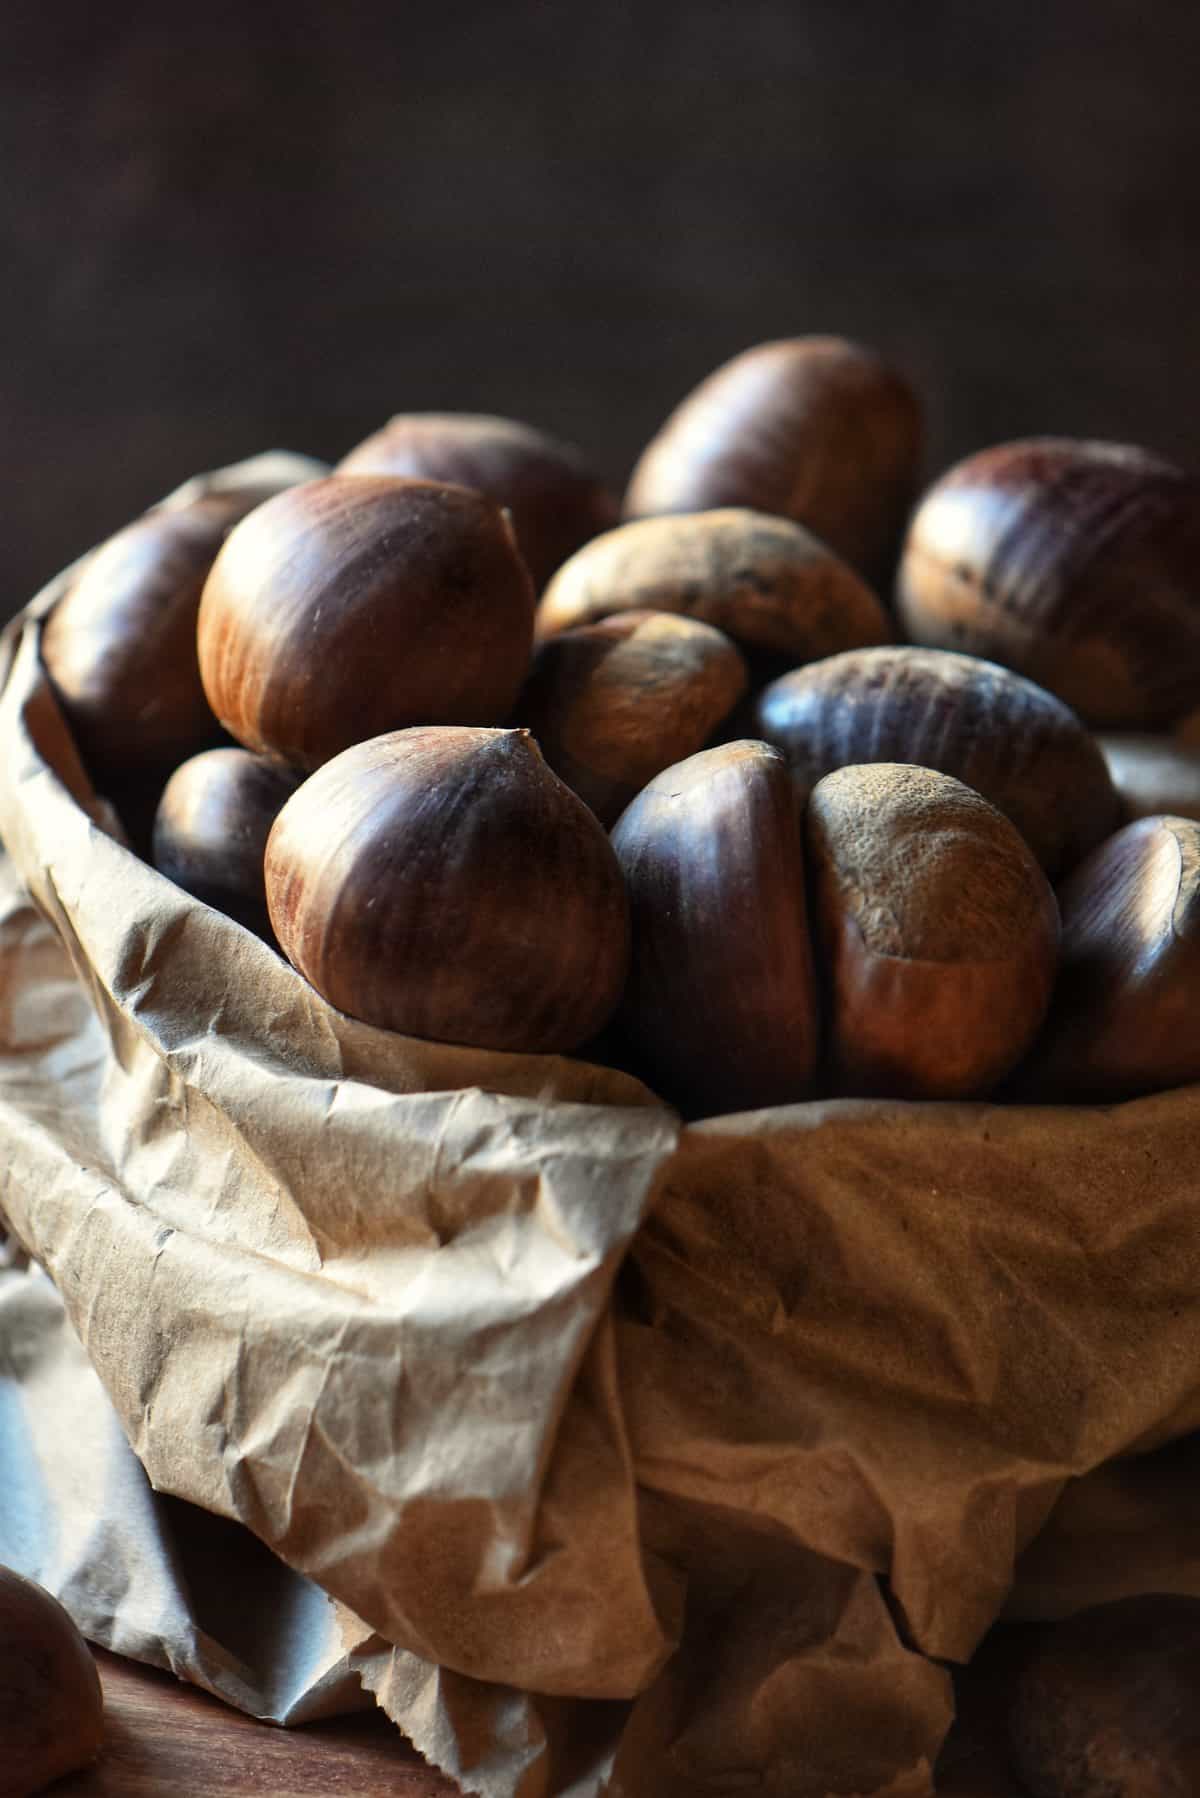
1108 1703
766 582
356 604
557 502
720 1012
120 645
813 428
1126 1012
938 932
1013 742
211 827
443 882
51 1705
1077 563
613 703
1152 773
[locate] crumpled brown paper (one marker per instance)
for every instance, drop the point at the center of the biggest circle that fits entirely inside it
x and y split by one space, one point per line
734 1432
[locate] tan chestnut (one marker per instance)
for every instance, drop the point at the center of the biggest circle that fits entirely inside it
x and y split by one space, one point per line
353 605
1107 1704
1152 773
556 500
120 645
720 1013
614 702
443 882
938 931
766 582
51 1704
1013 742
211 827
1126 1012
1075 562
814 428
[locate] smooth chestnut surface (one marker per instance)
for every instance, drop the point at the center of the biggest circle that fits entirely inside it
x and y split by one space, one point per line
443 882
720 1012
814 428
1075 562
1108 1703
120 645
938 932
557 502
1152 773
51 1705
353 605
768 583
613 703
1126 1013
211 827
1018 745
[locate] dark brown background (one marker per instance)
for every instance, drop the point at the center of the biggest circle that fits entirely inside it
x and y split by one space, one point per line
276 224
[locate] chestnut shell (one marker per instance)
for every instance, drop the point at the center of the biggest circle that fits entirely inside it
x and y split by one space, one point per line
51 1703
211 825
1076 563
353 605
818 429
443 882
1018 745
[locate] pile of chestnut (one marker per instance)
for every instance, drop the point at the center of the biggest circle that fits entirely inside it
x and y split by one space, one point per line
776 780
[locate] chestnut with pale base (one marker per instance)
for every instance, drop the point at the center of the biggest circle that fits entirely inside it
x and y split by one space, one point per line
51 1705
939 933
443 882
768 583
613 703
720 1012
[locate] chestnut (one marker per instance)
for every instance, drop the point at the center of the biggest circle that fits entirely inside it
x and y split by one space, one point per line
557 502
1153 773
120 645
443 882
612 703
1013 742
1076 563
766 582
1126 1011
211 827
938 932
720 1012
814 428
352 605
51 1703
1107 1704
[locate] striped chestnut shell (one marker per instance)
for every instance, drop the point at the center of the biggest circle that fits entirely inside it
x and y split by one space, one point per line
1076 563
1018 745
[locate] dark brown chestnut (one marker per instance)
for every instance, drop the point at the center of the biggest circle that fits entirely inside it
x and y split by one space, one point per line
120 645
1107 1704
613 703
720 1013
1077 563
51 1703
938 930
766 582
814 428
211 827
557 502
1013 742
353 605
1126 1011
443 882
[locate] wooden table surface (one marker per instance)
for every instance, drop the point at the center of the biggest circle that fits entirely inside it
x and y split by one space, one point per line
164 1739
